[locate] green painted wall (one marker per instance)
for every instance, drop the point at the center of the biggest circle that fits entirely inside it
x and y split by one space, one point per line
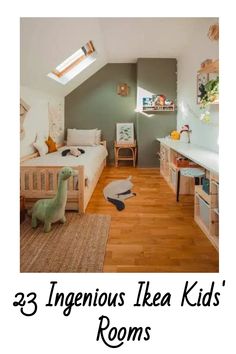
157 76
95 103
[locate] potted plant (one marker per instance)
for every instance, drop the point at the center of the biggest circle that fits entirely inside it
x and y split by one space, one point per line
209 94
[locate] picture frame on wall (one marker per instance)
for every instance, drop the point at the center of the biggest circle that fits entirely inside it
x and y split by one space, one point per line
125 133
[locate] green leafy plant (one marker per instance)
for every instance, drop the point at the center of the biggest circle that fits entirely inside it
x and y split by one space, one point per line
209 93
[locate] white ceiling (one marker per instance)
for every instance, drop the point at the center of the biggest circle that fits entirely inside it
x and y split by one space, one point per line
46 42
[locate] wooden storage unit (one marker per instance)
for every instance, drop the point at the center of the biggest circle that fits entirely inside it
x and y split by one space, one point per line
169 171
165 162
206 210
206 206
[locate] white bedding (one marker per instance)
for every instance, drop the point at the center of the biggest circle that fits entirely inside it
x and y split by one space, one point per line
91 160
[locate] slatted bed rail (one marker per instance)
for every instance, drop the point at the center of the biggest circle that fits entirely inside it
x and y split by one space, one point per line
39 182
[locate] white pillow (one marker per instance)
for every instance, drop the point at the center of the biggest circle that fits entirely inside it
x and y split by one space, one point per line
41 146
81 137
98 137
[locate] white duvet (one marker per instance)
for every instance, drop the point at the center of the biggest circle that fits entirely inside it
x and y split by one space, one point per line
91 160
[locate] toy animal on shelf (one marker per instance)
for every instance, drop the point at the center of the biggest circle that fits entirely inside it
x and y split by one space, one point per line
52 210
159 100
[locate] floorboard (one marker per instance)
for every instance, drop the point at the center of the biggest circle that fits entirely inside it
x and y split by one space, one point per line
153 233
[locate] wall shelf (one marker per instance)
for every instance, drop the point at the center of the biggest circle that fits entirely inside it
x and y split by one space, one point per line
212 67
170 108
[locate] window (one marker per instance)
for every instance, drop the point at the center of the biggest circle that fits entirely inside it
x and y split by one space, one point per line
73 65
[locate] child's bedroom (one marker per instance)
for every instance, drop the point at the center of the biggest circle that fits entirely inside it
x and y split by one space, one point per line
119 131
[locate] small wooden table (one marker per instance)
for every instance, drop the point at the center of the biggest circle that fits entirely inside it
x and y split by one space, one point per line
130 146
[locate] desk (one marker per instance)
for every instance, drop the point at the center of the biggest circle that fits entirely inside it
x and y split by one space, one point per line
206 208
206 158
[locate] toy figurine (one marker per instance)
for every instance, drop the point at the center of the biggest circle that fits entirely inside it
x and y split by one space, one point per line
52 210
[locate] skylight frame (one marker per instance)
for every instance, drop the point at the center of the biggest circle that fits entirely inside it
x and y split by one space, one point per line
72 62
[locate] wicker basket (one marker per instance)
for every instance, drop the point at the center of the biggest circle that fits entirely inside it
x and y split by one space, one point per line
181 162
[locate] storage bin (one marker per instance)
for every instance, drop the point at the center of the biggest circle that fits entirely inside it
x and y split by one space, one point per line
206 185
204 211
181 162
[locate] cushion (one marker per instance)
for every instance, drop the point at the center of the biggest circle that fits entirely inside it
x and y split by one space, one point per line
41 146
192 172
98 137
84 137
52 147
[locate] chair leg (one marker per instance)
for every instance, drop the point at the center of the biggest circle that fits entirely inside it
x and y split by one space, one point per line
178 185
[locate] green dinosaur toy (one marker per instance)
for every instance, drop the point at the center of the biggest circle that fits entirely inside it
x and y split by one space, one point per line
52 210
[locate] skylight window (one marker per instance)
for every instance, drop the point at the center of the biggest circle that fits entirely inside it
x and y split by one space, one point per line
74 64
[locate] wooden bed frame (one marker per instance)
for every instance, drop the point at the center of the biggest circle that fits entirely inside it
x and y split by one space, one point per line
39 182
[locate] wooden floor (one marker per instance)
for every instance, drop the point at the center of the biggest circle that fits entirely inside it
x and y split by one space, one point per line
153 233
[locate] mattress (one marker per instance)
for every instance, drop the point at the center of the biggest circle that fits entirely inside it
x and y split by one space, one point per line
91 160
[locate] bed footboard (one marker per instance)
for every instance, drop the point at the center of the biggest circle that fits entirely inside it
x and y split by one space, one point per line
40 182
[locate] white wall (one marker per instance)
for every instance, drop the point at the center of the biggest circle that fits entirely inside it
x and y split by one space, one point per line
37 119
199 49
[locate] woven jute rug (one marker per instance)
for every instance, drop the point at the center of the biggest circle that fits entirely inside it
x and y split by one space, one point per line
77 246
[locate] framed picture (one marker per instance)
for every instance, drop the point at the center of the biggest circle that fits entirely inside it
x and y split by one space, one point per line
125 133
202 79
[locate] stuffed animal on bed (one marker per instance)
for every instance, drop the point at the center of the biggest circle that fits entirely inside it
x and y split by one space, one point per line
73 151
52 210
116 192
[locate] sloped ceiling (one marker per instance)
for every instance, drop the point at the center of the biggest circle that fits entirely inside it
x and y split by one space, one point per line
46 42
